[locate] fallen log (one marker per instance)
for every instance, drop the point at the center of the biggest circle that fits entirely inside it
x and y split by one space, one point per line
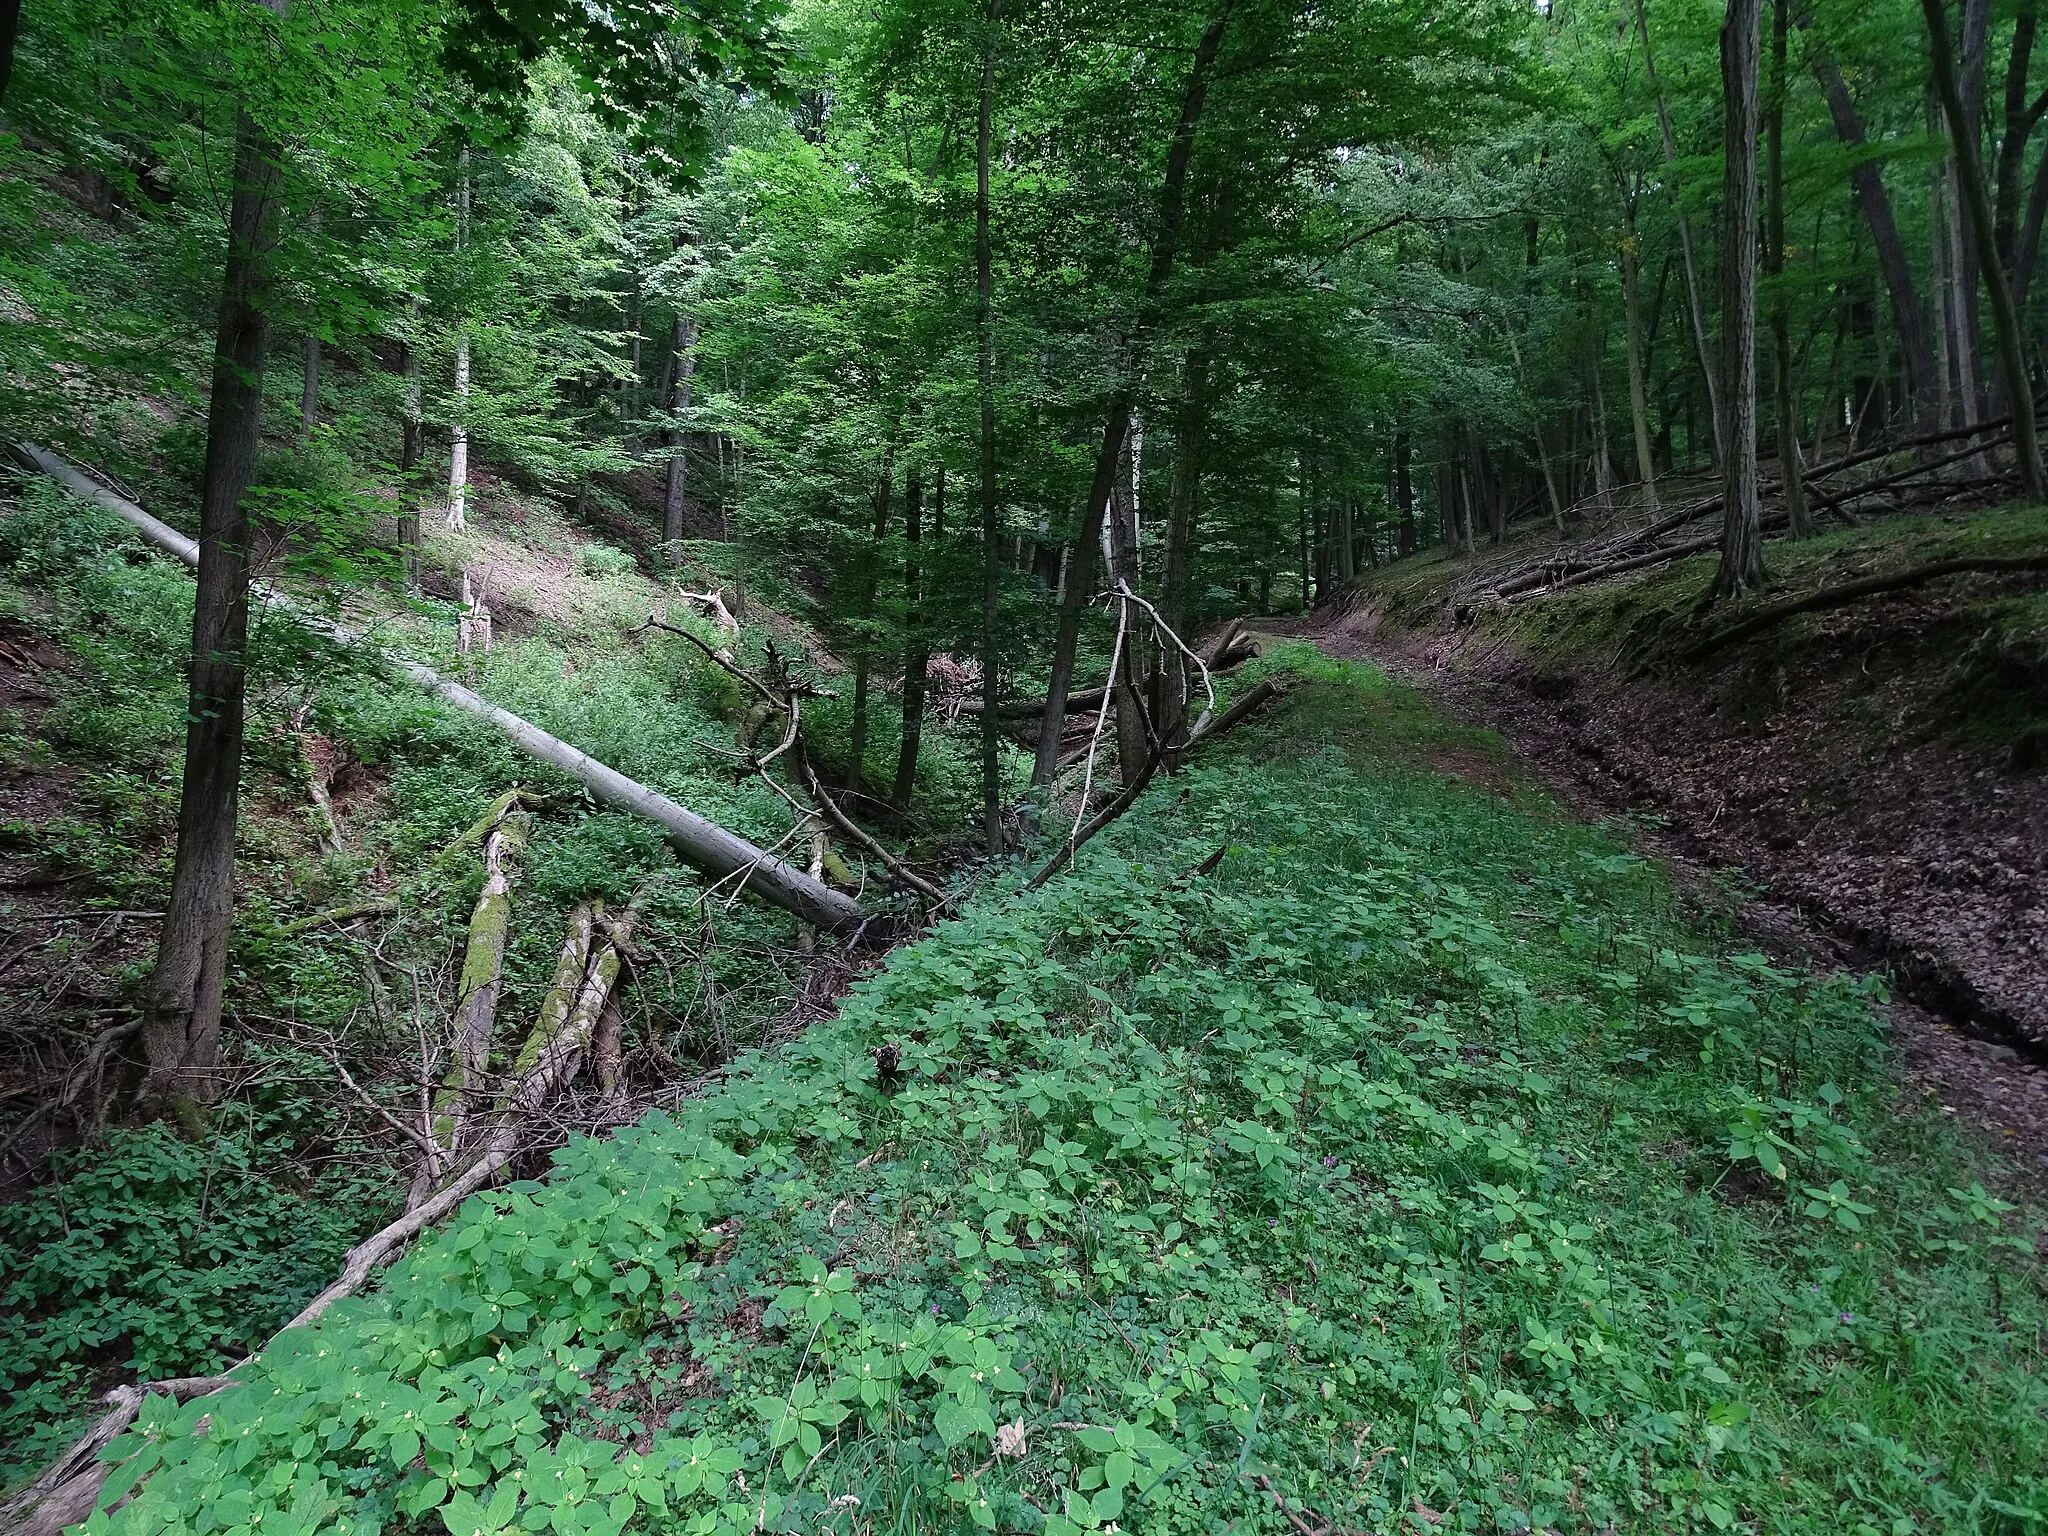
1856 591
70 1486
702 844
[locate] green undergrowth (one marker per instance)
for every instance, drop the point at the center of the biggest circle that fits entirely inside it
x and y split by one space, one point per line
140 1256
1419 1167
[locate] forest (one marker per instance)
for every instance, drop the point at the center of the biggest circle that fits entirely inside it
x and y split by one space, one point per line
942 765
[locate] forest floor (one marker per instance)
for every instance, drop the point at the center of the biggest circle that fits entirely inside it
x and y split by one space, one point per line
1352 1139
1866 784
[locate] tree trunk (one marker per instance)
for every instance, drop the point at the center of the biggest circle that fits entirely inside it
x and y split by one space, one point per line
1165 246
1742 564
1784 408
2004 322
309 388
1182 520
991 519
2021 118
1685 244
1404 494
410 447
916 645
1884 232
458 432
863 642
181 1019
309 377
1632 314
10 27
1959 305
682 369
1969 248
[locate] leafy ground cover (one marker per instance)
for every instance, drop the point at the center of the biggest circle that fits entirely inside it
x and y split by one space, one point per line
143 1256
1421 1166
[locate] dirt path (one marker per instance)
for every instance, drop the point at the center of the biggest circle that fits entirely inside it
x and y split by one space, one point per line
1998 1085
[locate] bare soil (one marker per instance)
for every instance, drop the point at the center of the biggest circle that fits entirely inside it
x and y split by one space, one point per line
1896 849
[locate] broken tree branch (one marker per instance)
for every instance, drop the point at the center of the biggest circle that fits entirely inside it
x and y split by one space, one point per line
1256 699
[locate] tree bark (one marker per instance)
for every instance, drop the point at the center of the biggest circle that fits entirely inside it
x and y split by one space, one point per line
916 645
309 388
458 432
2022 116
483 972
1694 301
1784 408
1165 247
1884 233
1182 519
181 1020
2004 322
1632 335
1969 248
1404 495
1742 566
680 376
991 515
864 645
410 447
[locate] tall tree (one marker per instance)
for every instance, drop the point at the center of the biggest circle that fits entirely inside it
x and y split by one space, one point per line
1742 562
991 508
1165 248
181 1019
2012 371
1784 409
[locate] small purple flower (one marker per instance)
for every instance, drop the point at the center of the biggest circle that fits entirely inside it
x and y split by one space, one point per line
1848 1317
1272 1221
1329 1162
935 1309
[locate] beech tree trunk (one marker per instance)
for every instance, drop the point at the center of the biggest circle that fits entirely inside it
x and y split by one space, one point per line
1632 336
2017 243
1165 247
1404 494
1876 204
458 439
991 516
682 370
916 646
1182 519
1784 409
1695 302
863 647
309 388
181 1018
2012 372
1742 563
410 447
1970 248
